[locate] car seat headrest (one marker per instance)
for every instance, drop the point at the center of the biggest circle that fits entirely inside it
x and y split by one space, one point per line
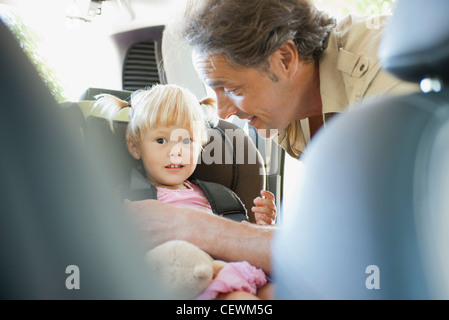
90 93
416 42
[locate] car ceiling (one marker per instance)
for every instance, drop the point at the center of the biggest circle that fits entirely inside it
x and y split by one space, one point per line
116 15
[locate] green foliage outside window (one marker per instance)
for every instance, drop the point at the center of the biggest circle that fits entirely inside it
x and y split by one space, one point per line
28 40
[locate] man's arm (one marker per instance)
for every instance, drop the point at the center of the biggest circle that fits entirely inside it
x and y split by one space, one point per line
222 238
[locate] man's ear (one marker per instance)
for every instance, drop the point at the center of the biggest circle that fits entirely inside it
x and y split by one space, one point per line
133 147
286 58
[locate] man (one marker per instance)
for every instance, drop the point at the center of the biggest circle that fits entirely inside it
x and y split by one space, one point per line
282 65
285 65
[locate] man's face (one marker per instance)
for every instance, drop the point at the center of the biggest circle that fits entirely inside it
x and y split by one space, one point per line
263 98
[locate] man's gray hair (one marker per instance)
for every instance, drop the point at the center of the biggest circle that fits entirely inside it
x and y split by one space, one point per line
248 32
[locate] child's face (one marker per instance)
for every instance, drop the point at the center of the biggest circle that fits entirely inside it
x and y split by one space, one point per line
169 155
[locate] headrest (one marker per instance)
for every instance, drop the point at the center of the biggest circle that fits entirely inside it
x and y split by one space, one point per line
90 93
416 42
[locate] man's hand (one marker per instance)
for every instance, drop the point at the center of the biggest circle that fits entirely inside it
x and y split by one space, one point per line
157 222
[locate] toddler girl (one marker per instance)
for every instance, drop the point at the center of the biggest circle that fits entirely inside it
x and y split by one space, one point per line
167 130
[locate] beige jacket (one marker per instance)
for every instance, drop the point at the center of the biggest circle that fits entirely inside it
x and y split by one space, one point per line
349 73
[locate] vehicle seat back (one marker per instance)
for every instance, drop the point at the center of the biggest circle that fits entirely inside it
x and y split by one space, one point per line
55 212
371 217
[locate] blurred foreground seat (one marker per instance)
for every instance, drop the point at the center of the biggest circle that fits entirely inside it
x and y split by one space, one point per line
371 217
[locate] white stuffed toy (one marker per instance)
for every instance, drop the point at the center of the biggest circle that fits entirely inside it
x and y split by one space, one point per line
184 269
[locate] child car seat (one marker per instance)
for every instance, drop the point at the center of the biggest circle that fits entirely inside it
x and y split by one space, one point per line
230 158
371 217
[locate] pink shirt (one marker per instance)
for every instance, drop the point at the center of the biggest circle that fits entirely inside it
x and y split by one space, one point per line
192 197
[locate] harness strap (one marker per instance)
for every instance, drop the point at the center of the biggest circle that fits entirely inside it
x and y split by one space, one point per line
223 201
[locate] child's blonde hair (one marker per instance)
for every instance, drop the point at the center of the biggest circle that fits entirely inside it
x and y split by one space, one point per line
160 105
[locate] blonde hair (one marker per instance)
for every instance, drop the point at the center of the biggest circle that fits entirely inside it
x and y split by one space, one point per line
160 105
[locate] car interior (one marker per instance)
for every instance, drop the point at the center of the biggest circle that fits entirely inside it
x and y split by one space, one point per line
373 196
88 151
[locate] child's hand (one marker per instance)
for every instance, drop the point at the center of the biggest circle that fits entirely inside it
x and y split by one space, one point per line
265 209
